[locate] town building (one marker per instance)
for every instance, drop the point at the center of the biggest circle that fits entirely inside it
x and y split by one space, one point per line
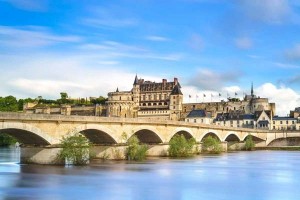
199 116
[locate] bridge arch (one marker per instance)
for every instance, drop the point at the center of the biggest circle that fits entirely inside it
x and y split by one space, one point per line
232 137
186 132
97 134
147 135
26 133
211 133
255 138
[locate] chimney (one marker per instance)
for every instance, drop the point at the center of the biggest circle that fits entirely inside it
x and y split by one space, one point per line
175 81
164 81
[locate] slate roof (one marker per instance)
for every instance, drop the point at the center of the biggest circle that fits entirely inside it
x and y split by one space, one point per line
233 116
176 90
284 118
198 113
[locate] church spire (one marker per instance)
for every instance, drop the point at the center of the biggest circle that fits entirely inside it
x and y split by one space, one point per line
252 93
136 80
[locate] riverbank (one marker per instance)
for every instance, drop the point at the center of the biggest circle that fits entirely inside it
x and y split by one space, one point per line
285 148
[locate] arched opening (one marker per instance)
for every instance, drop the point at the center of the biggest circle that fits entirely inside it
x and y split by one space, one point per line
254 138
97 136
232 138
232 142
280 142
186 134
25 137
212 135
148 137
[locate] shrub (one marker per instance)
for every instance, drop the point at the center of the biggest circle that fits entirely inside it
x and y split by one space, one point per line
211 145
181 147
75 149
249 144
135 151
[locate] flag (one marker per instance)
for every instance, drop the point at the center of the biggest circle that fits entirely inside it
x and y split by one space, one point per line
190 96
204 95
235 93
220 94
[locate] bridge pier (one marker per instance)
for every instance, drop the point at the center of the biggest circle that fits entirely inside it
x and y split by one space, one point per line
39 155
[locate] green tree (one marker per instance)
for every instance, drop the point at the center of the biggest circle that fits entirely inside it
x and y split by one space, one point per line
75 149
6 140
135 150
181 147
8 104
211 145
99 100
249 144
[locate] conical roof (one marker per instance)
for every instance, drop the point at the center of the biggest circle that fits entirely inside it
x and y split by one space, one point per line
136 80
176 90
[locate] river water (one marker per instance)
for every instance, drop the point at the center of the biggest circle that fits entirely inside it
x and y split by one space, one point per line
241 175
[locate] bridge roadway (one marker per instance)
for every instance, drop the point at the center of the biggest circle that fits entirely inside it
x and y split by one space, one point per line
44 130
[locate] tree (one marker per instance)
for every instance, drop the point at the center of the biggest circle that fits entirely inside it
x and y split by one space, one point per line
211 145
63 95
181 147
75 149
6 140
135 151
99 100
8 104
249 144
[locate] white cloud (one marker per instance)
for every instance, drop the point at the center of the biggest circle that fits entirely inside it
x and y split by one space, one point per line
243 43
156 38
293 53
31 36
208 79
31 5
268 11
286 99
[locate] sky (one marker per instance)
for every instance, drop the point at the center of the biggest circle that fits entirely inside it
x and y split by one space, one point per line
89 48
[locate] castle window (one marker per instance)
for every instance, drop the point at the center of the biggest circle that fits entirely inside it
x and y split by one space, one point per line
120 98
159 97
195 120
287 122
280 122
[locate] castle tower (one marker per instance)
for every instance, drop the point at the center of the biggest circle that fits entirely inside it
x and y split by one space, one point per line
136 94
176 100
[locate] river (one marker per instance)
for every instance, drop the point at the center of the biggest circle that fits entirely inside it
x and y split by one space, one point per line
241 175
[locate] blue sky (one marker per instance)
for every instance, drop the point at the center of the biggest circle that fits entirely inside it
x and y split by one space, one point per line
88 48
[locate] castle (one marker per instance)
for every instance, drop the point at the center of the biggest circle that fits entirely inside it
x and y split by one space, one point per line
147 99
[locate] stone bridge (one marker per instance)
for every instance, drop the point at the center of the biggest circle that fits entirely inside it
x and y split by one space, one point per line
42 130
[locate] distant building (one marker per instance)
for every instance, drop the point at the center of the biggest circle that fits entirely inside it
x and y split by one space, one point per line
162 101
199 116
285 123
84 110
249 105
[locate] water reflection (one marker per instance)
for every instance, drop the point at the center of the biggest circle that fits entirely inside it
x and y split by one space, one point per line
241 175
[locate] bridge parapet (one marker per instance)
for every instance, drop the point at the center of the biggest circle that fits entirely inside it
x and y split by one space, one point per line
13 116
